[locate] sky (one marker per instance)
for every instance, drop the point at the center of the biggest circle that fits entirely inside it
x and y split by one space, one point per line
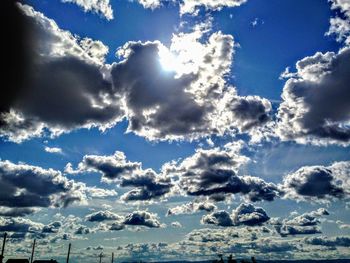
175 129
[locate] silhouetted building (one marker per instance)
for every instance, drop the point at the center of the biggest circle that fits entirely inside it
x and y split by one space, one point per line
24 260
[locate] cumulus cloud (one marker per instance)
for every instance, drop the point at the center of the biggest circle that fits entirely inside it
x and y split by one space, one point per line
145 87
147 184
305 224
192 6
176 224
340 25
101 216
19 225
26 186
244 214
111 167
118 222
318 183
55 62
151 4
142 218
339 241
102 7
191 207
315 107
154 80
100 192
16 211
214 172
53 149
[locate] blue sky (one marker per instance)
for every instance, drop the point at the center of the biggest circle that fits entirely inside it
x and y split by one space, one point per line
173 131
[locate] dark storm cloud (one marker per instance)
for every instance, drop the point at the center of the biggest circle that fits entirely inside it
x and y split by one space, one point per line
244 214
318 182
25 186
57 61
315 105
305 224
213 172
102 216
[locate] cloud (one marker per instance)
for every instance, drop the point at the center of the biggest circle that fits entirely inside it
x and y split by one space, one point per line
154 80
244 214
50 51
340 24
142 218
219 218
339 241
305 224
315 107
101 193
192 7
141 88
318 183
111 167
26 186
191 207
148 185
16 211
102 7
176 224
19 225
214 172
150 4
101 216
82 230
248 214
53 149
52 227
135 218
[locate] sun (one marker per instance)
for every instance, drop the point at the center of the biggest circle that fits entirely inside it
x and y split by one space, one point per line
167 59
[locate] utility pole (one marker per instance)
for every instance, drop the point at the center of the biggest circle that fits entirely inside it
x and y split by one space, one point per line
100 257
69 246
33 249
112 257
3 248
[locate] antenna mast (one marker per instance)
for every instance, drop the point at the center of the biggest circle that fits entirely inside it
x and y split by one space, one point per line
69 246
3 248
33 249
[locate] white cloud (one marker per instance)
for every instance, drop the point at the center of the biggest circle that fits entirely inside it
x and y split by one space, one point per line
192 6
53 149
315 107
102 7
